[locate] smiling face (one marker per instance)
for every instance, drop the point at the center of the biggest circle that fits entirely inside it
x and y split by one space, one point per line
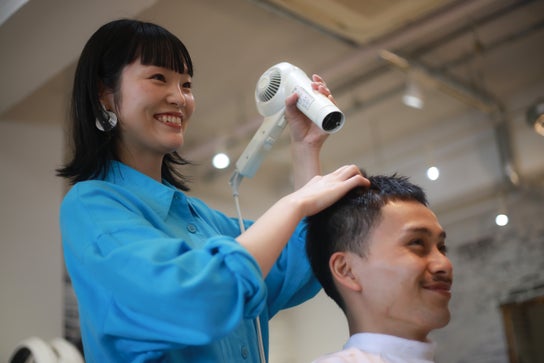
405 276
154 107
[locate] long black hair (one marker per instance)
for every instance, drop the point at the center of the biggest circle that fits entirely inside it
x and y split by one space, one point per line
112 47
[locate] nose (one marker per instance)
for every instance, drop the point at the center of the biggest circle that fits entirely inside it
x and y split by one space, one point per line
440 263
176 96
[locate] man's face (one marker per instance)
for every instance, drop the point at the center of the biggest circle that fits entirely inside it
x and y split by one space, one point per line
405 276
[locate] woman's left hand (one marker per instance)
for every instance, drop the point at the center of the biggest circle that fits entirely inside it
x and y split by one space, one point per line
303 130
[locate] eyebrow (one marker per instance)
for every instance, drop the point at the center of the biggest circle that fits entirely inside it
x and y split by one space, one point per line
426 231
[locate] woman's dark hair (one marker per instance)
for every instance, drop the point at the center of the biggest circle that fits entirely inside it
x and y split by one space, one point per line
345 225
112 47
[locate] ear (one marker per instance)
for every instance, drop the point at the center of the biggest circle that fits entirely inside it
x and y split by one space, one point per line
340 265
105 97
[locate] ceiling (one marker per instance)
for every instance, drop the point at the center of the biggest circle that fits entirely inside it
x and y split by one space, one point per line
479 63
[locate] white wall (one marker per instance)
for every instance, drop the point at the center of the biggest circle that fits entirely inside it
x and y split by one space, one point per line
31 266
303 333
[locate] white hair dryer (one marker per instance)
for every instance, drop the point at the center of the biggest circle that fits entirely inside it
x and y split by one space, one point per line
274 86
284 79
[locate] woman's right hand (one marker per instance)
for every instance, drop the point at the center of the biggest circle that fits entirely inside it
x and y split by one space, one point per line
266 238
323 190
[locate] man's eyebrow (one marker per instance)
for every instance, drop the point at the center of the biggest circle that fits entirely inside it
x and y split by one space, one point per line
427 231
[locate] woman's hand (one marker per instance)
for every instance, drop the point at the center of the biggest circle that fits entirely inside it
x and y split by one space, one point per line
306 137
323 190
269 234
303 130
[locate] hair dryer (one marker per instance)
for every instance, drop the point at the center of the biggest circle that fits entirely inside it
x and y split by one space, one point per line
280 81
274 86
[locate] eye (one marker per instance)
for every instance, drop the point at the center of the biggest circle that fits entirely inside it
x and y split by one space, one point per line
159 77
417 242
443 248
187 85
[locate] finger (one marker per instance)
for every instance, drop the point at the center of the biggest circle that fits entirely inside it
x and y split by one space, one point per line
352 172
359 180
317 78
349 169
291 100
324 89
317 81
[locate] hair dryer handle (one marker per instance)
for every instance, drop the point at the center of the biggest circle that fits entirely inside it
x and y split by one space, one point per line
260 144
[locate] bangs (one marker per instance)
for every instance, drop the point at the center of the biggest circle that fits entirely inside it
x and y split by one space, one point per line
158 47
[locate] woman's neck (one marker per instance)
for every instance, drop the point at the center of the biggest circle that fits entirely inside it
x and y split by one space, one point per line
150 165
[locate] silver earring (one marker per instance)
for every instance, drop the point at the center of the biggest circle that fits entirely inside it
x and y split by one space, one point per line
109 123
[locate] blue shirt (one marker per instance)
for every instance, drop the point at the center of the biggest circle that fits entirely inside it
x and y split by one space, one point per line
159 276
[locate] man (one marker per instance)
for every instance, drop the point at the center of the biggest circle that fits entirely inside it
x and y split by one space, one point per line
380 254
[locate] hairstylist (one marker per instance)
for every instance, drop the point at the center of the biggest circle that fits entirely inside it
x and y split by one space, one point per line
159 276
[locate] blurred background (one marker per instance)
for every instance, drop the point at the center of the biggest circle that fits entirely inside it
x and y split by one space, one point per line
447 92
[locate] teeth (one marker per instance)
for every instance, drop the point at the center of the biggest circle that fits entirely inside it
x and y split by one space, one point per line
170 119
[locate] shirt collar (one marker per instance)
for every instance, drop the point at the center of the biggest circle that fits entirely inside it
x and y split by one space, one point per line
382 343
158 196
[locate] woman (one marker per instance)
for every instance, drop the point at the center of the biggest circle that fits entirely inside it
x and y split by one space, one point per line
159 276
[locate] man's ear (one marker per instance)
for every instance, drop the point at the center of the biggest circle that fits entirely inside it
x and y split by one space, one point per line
340 264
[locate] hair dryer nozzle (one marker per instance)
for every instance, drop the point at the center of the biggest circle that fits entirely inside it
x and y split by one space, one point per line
333 121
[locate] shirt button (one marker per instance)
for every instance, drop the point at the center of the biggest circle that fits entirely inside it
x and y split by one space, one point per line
191 228
244 352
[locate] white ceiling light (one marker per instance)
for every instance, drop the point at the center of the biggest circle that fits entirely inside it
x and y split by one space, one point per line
413 97
433 173
501 219
221 160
